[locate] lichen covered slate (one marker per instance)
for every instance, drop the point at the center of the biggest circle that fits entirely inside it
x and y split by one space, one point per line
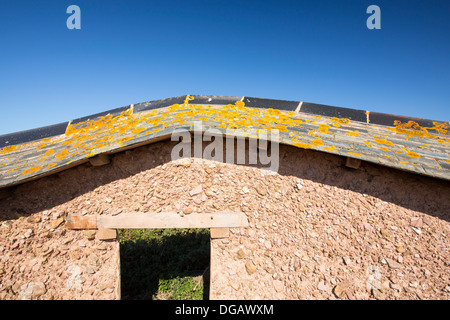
415 145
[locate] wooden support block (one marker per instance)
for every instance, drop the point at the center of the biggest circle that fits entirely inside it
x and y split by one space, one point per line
217 233
173 220
100 160
353 163
106 234
81 222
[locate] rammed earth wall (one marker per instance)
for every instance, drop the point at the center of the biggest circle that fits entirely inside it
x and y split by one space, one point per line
318 230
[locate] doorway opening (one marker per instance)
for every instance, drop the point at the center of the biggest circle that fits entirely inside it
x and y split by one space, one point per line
164 264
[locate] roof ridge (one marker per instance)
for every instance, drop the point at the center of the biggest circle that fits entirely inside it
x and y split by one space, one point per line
363 116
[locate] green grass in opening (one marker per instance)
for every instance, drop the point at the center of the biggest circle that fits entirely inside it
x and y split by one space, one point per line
164 264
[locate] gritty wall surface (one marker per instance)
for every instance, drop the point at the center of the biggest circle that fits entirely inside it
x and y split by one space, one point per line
318 230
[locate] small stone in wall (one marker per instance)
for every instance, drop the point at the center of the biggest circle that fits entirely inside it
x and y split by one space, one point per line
416 222
34 219
56 223
261 191
196 190
90 234
278 285
234 284
385 232
32 290
7 224
377 294
347 260
340 289
90 270
74 280
250 267
392 264
323 287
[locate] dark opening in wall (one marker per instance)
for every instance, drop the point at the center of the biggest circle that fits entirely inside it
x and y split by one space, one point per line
164 264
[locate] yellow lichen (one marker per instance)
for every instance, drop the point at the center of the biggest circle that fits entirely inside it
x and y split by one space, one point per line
413 155
125 139
240 104
340 120
323 128
301 145
49 152
442 128
138 130
62 155
281 128
186 101
383 141
317 142
9 148
31 170
355 154
410 128
330 148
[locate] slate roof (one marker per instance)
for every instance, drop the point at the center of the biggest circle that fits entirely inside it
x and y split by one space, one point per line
416 145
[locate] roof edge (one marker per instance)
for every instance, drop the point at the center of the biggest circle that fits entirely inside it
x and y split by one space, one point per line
362 116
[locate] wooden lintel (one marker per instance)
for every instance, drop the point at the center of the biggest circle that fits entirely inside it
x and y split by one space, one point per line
100 160
158 220
75 221
353 163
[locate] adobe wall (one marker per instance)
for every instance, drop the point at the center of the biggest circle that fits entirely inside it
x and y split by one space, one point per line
314 226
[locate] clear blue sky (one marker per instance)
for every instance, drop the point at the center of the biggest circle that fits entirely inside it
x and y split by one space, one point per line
134 51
